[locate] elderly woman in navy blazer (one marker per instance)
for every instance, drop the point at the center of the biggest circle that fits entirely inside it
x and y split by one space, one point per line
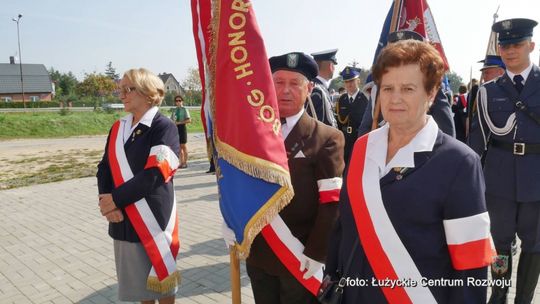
413 196
136 193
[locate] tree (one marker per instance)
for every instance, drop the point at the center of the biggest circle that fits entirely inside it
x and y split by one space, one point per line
68 83
111 72
192 81
192 86
65 84
455 81
96 85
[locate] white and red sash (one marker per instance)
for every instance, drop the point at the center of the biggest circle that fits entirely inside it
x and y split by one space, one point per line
386 254
288 248
468 239
161 246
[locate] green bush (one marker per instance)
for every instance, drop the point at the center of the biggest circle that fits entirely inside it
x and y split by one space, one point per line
30 104
64 111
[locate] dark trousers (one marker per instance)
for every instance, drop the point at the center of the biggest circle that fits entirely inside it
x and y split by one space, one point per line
270 289
508 218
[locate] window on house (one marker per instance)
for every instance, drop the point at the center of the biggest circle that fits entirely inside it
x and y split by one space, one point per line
7 99
34 98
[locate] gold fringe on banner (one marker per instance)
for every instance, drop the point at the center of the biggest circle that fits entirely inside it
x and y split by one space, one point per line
168 284
267 171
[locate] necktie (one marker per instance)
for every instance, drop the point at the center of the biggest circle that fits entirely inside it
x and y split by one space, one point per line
351 100
283 120
518 83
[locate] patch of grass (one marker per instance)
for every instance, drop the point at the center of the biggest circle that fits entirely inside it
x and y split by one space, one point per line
46 125
26 160
61 168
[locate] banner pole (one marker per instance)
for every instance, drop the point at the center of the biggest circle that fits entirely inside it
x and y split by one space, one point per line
235 276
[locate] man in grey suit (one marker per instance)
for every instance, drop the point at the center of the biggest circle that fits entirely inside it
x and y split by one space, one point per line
506 130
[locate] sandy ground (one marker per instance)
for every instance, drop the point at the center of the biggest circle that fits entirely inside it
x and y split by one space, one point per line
37 159
21 148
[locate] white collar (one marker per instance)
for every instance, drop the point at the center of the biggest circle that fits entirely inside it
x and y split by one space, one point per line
326 83
146 119
525 73
291 122
423 141
354 95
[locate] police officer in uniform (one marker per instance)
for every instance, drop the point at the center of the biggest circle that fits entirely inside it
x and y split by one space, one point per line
440 109
492 68
320 106
350 108
507 129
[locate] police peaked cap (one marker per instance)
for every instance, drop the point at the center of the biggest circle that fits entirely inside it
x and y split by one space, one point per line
404 35
328 55
349 73
295 62
514 30
492 61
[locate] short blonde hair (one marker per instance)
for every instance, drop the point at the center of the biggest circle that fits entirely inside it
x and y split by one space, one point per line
147 84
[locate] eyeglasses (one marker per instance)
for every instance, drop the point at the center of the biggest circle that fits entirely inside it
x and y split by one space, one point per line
179 100
126 90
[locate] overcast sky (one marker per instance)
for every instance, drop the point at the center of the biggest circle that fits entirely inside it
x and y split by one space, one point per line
83 36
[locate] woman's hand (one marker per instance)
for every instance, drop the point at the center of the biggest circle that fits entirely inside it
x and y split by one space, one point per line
115 216
106 203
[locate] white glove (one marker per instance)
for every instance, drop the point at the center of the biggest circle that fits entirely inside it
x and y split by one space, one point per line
311 265
228 235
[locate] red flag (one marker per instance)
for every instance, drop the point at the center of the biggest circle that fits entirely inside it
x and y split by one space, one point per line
415 15
242 117
244 127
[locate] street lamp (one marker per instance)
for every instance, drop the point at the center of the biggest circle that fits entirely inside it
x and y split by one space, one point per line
20 58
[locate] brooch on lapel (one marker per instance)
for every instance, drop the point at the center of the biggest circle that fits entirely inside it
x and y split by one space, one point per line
400 172
135 133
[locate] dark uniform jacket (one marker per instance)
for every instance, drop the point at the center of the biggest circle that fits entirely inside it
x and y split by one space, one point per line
514 177
440 110
446 183
308 219
460 116
148 183
349 117
320 97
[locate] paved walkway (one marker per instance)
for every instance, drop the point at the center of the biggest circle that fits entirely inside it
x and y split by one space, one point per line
54 246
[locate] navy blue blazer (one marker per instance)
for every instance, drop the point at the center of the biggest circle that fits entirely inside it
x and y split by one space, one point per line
320 97
446 183
509 176
147 183
352 113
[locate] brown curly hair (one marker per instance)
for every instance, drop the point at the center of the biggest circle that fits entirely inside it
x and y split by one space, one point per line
411 52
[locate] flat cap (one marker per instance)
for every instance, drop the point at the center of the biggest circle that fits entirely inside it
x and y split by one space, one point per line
349 73
328 55
492 61
514 30
295 62
404 35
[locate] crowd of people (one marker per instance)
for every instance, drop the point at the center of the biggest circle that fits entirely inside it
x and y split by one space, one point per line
396 181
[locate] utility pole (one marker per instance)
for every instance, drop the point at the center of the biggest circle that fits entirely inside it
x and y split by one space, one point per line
20 58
